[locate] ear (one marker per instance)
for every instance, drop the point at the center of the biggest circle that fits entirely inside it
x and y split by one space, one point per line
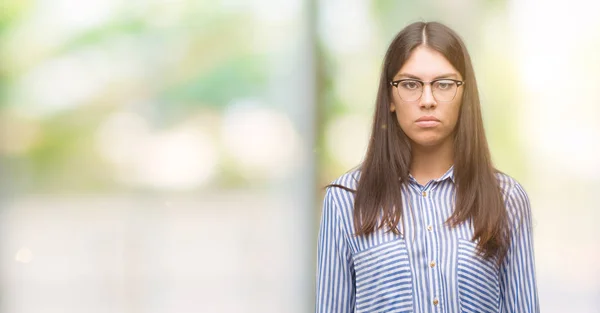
392 107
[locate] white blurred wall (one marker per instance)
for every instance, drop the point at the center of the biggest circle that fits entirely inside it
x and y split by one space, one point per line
557 46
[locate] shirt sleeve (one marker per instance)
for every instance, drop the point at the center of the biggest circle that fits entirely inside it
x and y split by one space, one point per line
518 285
335 268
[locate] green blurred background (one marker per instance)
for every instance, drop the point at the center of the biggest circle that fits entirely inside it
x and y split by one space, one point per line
169 156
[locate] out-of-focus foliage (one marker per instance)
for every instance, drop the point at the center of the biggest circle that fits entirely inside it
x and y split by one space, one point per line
61 81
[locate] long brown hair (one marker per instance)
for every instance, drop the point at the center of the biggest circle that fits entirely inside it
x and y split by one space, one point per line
478 198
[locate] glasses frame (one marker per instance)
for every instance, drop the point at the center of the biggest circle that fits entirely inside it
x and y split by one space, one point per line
395 83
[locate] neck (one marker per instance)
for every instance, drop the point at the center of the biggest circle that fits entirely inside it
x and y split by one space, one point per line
428 163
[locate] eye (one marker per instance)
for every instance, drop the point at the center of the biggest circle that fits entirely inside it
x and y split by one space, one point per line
410 84
444 84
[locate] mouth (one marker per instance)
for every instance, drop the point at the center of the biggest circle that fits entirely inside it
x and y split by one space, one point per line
427 122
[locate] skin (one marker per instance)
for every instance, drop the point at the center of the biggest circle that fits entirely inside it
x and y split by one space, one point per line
432 147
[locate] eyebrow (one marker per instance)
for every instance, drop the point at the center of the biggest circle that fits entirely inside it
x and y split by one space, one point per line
448 75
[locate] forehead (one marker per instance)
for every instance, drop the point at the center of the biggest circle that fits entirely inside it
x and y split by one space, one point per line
427 64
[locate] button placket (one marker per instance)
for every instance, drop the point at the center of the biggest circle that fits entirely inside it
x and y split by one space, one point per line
427 202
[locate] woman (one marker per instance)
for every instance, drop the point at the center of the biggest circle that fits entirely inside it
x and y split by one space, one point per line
426 223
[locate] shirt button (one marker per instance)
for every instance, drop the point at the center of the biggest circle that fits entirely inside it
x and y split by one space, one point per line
432 264
424 193
430 228
435 301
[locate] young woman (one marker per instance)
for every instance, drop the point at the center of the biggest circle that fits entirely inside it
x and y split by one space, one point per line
426 223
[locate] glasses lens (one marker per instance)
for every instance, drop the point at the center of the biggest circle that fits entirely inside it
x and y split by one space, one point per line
410 90
444 90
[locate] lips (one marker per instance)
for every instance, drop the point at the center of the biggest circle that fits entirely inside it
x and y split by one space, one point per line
428 119
427 122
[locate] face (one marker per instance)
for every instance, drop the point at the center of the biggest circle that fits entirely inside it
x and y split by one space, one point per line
426 121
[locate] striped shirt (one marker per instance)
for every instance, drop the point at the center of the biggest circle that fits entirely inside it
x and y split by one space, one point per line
430 267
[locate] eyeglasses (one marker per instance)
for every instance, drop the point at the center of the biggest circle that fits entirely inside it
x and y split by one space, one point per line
443 90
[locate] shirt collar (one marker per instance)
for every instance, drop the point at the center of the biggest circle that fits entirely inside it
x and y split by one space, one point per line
448 175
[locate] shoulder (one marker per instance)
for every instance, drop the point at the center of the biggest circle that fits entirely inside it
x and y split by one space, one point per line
515 198
339 193
348 180
510 187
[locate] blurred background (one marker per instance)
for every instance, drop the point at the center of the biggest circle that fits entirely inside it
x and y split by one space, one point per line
169 156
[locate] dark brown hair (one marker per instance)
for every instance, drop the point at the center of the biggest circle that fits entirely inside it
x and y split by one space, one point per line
478 198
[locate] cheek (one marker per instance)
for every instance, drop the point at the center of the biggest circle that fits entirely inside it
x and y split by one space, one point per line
457 108
454 113
404 117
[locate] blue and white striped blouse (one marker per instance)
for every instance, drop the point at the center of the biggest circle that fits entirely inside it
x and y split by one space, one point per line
431 267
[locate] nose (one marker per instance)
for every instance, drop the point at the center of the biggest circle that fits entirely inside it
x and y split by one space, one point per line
427 99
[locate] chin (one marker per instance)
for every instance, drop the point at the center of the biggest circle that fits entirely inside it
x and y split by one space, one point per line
427 141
